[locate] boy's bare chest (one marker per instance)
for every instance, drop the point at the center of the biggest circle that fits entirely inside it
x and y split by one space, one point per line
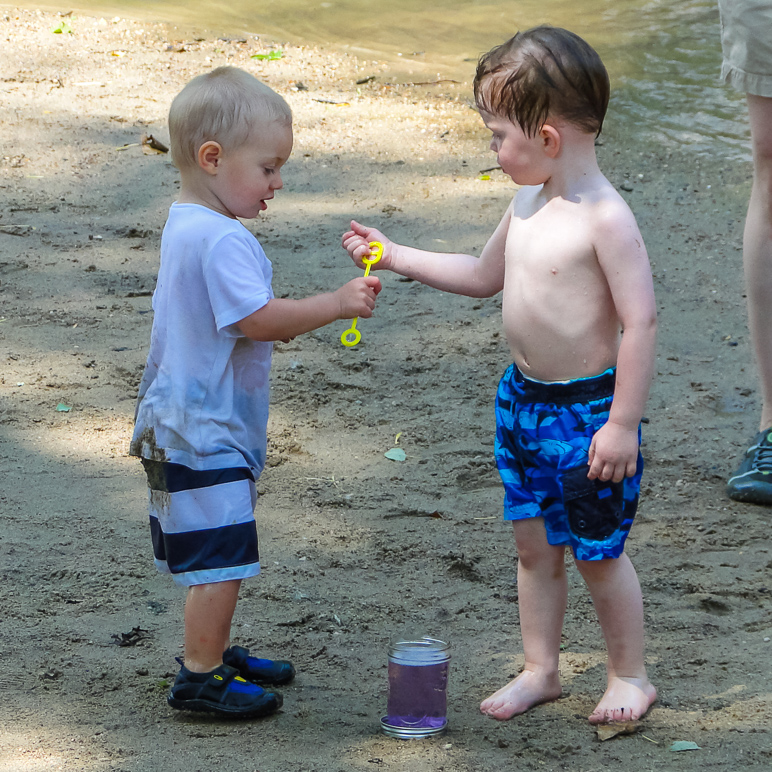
554 244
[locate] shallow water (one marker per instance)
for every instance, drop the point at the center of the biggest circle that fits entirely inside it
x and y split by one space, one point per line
664 57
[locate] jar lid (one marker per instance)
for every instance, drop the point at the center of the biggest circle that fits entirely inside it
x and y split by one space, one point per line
425 651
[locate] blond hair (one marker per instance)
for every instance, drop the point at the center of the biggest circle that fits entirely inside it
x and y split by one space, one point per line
227 106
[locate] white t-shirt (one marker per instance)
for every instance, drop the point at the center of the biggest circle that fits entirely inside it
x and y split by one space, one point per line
203 399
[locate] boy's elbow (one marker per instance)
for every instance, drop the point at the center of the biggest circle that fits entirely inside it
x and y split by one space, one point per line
646 318
264 325
257 332
642 328
483 293
485 288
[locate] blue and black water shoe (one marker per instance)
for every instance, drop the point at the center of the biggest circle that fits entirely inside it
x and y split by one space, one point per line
258 671
222 691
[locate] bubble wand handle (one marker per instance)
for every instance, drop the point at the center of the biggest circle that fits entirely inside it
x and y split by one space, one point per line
352 336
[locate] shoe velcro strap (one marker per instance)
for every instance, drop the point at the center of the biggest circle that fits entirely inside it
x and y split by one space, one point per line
217 684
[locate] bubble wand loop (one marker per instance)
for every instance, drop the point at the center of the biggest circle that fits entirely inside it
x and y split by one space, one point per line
352 336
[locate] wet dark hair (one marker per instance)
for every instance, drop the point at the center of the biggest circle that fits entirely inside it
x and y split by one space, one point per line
541 72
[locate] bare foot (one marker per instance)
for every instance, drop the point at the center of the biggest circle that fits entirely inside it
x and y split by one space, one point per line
626 699
528 689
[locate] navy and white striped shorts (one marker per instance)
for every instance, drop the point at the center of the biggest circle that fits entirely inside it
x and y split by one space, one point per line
202 522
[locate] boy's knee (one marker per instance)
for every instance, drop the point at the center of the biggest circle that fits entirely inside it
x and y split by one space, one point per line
595 570
533 557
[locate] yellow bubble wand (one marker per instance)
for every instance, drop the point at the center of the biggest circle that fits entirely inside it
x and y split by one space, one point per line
352 336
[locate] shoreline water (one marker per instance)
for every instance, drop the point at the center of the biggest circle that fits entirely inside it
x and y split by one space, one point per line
664 61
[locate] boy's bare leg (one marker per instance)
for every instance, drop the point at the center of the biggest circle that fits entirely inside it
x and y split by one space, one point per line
757 248
542 593
616 593
209 610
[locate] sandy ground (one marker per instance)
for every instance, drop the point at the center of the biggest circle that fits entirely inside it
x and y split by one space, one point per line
357 549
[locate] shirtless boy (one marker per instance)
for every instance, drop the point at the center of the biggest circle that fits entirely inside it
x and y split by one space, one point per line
575 275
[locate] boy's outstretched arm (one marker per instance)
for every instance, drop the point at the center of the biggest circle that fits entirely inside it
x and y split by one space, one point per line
623 259
283 318
476 277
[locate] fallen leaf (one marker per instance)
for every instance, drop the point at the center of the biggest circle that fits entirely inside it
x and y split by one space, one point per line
607 731
271 56
395 454
132 638
684 745
151 145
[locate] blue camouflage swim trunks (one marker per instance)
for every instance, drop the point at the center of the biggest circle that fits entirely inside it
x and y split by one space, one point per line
543 436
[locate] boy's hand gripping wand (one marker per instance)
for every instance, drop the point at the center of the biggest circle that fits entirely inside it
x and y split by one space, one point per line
352 336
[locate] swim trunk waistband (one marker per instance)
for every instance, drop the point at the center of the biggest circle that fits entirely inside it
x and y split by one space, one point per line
563 392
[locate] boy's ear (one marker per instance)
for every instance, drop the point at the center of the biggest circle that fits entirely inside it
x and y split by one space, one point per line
209 156
550 139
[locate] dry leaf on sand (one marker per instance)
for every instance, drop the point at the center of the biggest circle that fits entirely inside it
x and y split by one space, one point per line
607 731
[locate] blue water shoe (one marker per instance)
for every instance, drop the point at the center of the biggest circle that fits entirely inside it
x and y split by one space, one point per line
258 671
222 691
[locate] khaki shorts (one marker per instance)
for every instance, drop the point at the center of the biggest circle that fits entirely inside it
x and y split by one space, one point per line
746 41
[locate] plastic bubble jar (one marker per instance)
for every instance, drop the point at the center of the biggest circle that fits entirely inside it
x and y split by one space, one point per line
418 684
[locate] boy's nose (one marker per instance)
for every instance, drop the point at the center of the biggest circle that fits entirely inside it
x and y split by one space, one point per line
278 182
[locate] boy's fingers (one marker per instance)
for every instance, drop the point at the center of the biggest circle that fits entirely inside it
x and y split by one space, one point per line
374 283
353 243
601 471
592 462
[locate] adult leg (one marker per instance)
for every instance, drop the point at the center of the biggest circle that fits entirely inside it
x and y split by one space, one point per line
752 481
616 594
757 248
542 593
209 610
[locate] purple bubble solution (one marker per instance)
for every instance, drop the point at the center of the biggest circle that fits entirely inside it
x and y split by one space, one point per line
417 695
418 680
